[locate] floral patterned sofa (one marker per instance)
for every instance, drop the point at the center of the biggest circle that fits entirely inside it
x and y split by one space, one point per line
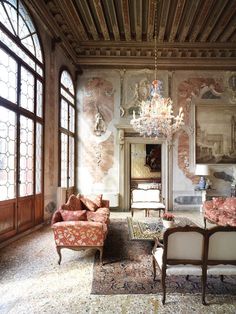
221 211
81 223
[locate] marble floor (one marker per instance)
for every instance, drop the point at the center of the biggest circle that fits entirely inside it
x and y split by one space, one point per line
31 281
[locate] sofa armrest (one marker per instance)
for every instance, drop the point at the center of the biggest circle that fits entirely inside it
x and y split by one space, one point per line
105 203
57 217
79 233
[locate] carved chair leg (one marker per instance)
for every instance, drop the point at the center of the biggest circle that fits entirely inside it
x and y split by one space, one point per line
163 283
204 279
154 267
101 255
59 253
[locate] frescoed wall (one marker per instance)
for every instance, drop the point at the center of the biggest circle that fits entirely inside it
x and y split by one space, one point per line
115 94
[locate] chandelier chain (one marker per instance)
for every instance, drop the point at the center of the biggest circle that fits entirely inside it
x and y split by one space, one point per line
156 118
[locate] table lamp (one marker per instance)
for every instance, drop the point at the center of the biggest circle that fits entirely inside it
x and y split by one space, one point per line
202 171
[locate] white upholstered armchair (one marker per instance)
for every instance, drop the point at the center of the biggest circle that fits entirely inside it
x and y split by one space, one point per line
182 253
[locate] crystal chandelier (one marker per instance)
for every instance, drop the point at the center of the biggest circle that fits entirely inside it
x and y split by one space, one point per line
156 118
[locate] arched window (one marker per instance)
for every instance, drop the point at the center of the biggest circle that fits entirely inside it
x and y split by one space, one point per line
67 131
21 120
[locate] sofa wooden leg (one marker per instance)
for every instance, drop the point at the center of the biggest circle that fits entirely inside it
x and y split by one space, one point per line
59 253
222 278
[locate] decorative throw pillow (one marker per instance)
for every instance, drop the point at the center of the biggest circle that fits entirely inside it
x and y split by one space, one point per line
92 216
92 204
73 215
73 203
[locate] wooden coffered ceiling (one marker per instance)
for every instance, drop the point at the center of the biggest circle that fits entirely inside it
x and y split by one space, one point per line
190 33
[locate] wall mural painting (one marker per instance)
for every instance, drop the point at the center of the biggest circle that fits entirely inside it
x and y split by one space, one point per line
199 88
215 134
98 110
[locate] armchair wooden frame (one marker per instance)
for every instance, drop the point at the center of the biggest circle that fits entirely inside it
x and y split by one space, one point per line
167 261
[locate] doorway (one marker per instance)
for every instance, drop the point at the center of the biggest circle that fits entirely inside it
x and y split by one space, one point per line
125 168
145 165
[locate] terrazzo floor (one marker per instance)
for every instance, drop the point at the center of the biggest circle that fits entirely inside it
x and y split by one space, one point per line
31 281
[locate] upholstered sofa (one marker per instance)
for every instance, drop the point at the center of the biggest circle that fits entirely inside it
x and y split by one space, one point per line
221 211
81 223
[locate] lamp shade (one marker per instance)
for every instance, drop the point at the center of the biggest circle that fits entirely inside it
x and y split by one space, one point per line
202 170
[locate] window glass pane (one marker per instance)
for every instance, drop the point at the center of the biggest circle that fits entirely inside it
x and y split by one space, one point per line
64 114
37 48
26 156
12 13
26 30
27 90
71 161
64 160
18 51
38 157
72 119
39 99
67 96
8 77
66 81
4 18
7 154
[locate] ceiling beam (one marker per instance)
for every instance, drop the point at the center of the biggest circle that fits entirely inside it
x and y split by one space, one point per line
227 15
176 20
201 18
126 19
101 19
113 19
212 19
150 20
73 19
163 20
138 19
84 9
189 18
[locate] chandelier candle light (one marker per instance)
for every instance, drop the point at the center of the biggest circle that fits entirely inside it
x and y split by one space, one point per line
156 117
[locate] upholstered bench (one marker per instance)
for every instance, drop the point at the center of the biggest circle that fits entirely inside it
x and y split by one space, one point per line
147 199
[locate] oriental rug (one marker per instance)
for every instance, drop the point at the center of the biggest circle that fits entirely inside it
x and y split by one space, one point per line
127 269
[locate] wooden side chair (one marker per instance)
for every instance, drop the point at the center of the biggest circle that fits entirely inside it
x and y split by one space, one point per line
147 199
182 253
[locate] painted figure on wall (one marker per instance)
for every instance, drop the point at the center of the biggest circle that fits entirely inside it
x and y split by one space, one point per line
99 126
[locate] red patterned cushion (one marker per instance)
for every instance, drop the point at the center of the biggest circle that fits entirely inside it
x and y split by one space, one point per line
73 203
92 205
73 215
217 201
94 216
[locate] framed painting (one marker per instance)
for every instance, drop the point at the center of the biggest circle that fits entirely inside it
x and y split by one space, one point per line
153 157
215 131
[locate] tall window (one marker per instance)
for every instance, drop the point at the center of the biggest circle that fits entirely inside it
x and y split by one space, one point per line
67 131
21 109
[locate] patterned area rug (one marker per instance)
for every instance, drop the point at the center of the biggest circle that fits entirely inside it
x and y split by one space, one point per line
128 269
148 228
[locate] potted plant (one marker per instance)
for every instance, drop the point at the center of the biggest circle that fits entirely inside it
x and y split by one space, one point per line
168 220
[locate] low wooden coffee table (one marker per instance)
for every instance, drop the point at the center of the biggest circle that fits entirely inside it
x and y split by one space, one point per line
150 228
